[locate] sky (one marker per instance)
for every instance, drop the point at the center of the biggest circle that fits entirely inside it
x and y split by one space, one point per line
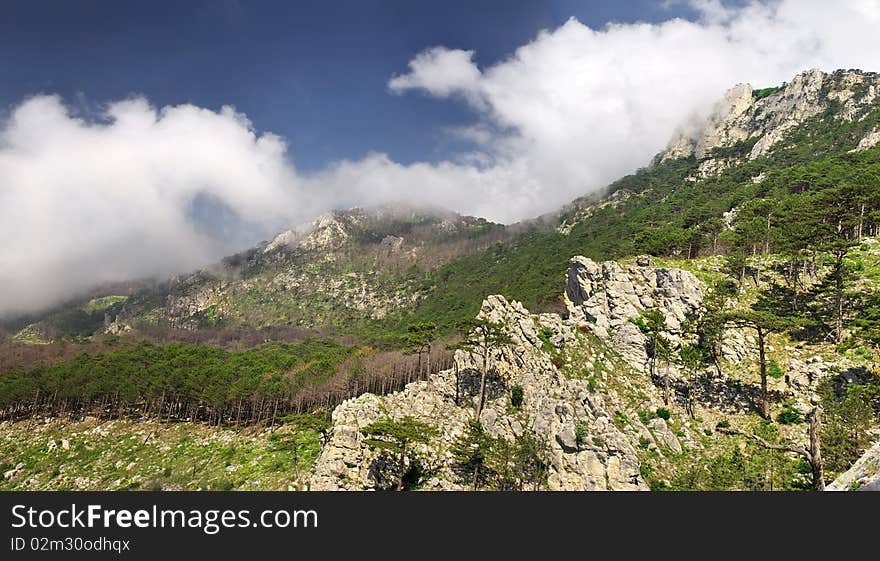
313 72
147 139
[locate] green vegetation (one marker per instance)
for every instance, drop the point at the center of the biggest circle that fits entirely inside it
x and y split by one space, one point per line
789 415
134 455
398 439
767 92
482 461
735 464
516 397
103 303
850 412
177 381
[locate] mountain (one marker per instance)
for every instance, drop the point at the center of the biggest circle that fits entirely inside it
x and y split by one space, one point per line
347 268
665 333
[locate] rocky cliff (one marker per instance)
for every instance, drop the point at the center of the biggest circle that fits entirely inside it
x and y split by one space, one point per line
607 296
556 409
757 121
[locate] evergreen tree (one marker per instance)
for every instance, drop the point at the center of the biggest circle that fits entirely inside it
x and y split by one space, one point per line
653 325
482 337
764 323
398 438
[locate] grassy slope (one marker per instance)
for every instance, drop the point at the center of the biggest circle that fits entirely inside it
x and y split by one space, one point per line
119 455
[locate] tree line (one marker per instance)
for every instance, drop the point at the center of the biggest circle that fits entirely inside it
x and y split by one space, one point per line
182 382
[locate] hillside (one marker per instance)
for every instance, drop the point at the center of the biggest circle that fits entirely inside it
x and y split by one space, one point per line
345 270
659 334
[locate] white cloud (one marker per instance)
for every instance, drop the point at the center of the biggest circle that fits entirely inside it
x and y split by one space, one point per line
83 201
88 202
441 71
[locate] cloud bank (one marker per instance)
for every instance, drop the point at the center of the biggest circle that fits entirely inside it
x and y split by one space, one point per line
84 201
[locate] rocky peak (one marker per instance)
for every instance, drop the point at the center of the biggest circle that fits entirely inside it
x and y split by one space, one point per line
386 225
327 232
765 116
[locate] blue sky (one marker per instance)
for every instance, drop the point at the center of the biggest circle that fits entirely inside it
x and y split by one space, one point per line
314 72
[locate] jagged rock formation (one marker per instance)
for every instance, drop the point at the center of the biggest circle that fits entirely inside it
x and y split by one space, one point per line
607 296
863 476
602 299
553 408
741 117
327 233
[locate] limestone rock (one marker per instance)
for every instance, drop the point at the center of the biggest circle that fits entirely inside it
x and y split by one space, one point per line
870 140
740 117
607 296
864 475
555 409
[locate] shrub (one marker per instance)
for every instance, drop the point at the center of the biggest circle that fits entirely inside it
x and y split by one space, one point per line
663 413
774 370
722 424
789 415
580 433
516 396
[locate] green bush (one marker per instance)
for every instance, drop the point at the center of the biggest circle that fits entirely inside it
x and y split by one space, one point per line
663 413
722 424
516 396
580 433
774 370
789 415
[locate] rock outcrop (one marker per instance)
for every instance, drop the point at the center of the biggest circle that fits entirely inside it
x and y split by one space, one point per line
863 476
585 450
607 296
742 116
327 233
870 140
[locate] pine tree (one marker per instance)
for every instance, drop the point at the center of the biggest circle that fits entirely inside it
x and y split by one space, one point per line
764 323
482 337
398 438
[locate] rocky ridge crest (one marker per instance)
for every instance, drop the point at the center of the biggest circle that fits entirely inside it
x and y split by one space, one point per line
764 120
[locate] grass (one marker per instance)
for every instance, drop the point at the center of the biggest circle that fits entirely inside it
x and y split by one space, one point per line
120 455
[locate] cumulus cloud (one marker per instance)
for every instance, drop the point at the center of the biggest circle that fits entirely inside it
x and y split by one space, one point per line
578 107
85 202
441 71
123 195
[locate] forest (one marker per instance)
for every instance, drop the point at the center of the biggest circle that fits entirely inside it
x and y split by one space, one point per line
186 382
